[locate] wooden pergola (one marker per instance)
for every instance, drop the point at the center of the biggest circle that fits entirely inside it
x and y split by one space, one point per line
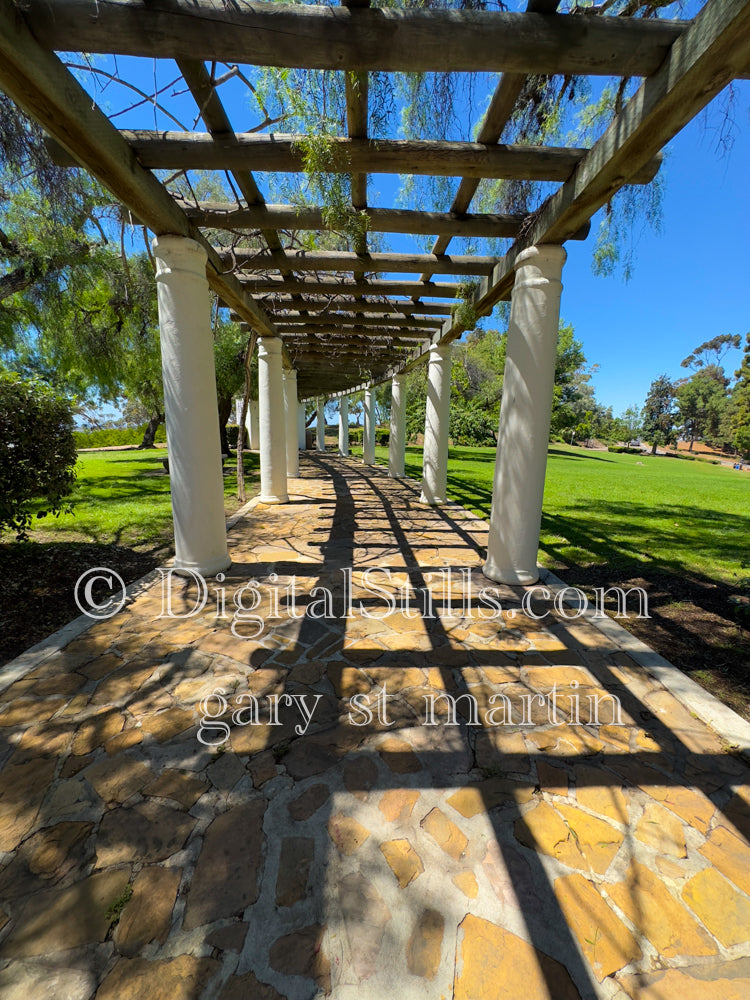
330 318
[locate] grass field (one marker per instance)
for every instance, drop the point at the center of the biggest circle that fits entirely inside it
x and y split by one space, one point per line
623 511
123 497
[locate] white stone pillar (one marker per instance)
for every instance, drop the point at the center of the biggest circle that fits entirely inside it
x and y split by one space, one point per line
301 428
320 428
253 424
187 355
368 434
397 438
344 425
290 416
437 422
522 440
272 430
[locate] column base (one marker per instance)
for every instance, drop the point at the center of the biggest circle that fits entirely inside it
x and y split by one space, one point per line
281 498
510 576
188 567
434 502
396 475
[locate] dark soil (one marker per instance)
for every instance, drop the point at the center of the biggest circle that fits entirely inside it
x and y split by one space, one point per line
699 625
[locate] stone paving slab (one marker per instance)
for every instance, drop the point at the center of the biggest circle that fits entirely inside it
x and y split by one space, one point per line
345 799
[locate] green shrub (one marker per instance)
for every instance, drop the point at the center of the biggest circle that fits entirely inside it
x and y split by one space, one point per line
470 425
382 436
621 449
355 435
115 436
37 452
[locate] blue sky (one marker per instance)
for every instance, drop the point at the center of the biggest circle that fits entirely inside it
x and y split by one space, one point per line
691 282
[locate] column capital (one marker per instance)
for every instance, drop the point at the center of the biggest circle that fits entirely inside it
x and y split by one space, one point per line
547 258
268 344
440 351
178 253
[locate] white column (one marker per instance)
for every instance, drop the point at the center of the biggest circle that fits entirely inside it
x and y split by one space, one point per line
397 438
253 425
272 430
437 421
290 416
320 428
343 425
368 434
301 428
195 475
525 412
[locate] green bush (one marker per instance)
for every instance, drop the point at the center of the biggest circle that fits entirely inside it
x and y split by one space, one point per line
116 436
621 449
355 435
470 425
37 452
382 436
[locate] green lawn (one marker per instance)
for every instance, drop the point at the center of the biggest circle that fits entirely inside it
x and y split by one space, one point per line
622 511
123 497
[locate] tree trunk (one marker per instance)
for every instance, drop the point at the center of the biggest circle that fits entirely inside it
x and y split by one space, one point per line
653 448
225 412
692 438
151 428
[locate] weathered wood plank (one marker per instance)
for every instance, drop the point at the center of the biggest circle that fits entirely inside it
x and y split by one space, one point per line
334 286
217 215
284 154
382 39
332 319
334 260
385 330
360 305
39 83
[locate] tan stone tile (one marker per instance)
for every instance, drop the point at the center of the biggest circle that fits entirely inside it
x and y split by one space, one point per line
366 917
570 835
117 778
168 724
347 834
403 860
466 881
397 804
399 756
657 915
177 785
605 940
660 829
724 911
484 795
731 855
444 831
596 790
494 964
147 916
689 804
425 944
181 978
701 983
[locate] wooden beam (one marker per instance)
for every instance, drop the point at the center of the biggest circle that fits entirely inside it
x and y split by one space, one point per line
39 83
700 64
230 216
354 327
359 305
382 39
333 286
335 260
333 318
285 154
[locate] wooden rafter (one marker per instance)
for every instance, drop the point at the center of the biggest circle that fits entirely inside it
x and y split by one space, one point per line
285 154
340 38
335 260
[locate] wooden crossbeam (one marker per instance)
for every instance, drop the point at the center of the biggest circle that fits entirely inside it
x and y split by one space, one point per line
334 286
229 216
406 333
335 260
285 154
39 83
359 305
382 39
331 319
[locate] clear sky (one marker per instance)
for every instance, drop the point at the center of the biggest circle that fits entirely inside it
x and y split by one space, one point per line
691 282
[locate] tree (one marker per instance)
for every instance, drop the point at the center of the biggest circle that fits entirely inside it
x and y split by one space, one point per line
711 352
659 413
631 420
701 400
740 418
37 451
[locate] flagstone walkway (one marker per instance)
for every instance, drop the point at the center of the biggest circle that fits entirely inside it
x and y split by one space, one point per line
332 842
